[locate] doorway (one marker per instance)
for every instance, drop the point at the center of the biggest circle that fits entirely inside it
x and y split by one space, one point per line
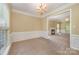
59 25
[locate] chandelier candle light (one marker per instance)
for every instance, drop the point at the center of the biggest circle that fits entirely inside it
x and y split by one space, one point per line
41 8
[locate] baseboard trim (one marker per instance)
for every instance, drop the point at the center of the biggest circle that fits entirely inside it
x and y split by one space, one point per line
74 48
7 50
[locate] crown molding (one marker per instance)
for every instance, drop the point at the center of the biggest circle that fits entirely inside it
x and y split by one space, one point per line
59 9
25 13
46 15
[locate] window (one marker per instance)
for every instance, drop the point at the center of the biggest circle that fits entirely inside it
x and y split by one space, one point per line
3 29
57 28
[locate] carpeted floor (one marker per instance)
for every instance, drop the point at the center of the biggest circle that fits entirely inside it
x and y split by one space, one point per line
58 45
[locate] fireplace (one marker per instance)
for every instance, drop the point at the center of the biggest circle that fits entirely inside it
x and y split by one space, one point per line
52 31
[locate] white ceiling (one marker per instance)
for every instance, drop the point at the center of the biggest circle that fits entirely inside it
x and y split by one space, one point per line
61 17
31 7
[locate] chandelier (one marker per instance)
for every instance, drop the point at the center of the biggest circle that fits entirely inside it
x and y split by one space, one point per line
41 8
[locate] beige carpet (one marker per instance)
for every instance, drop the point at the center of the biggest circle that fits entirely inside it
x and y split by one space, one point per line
58 45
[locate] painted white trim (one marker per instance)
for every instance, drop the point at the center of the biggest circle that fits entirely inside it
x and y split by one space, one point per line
19 36
44 34
7 50
59 9
25 13
70 23
74 42
74 48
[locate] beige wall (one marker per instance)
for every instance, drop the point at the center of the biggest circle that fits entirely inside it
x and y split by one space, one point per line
75 19
24 23
44 24
62 25
53 24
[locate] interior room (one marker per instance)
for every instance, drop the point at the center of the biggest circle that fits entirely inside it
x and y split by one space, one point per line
39 29
59 28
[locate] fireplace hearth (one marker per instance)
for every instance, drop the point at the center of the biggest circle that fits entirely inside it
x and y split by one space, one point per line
52 31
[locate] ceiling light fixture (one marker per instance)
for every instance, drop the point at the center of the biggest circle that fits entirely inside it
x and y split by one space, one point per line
41 8
66 19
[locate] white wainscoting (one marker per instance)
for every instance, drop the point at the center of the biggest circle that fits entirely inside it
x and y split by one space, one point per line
18 36
74 42
44 34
